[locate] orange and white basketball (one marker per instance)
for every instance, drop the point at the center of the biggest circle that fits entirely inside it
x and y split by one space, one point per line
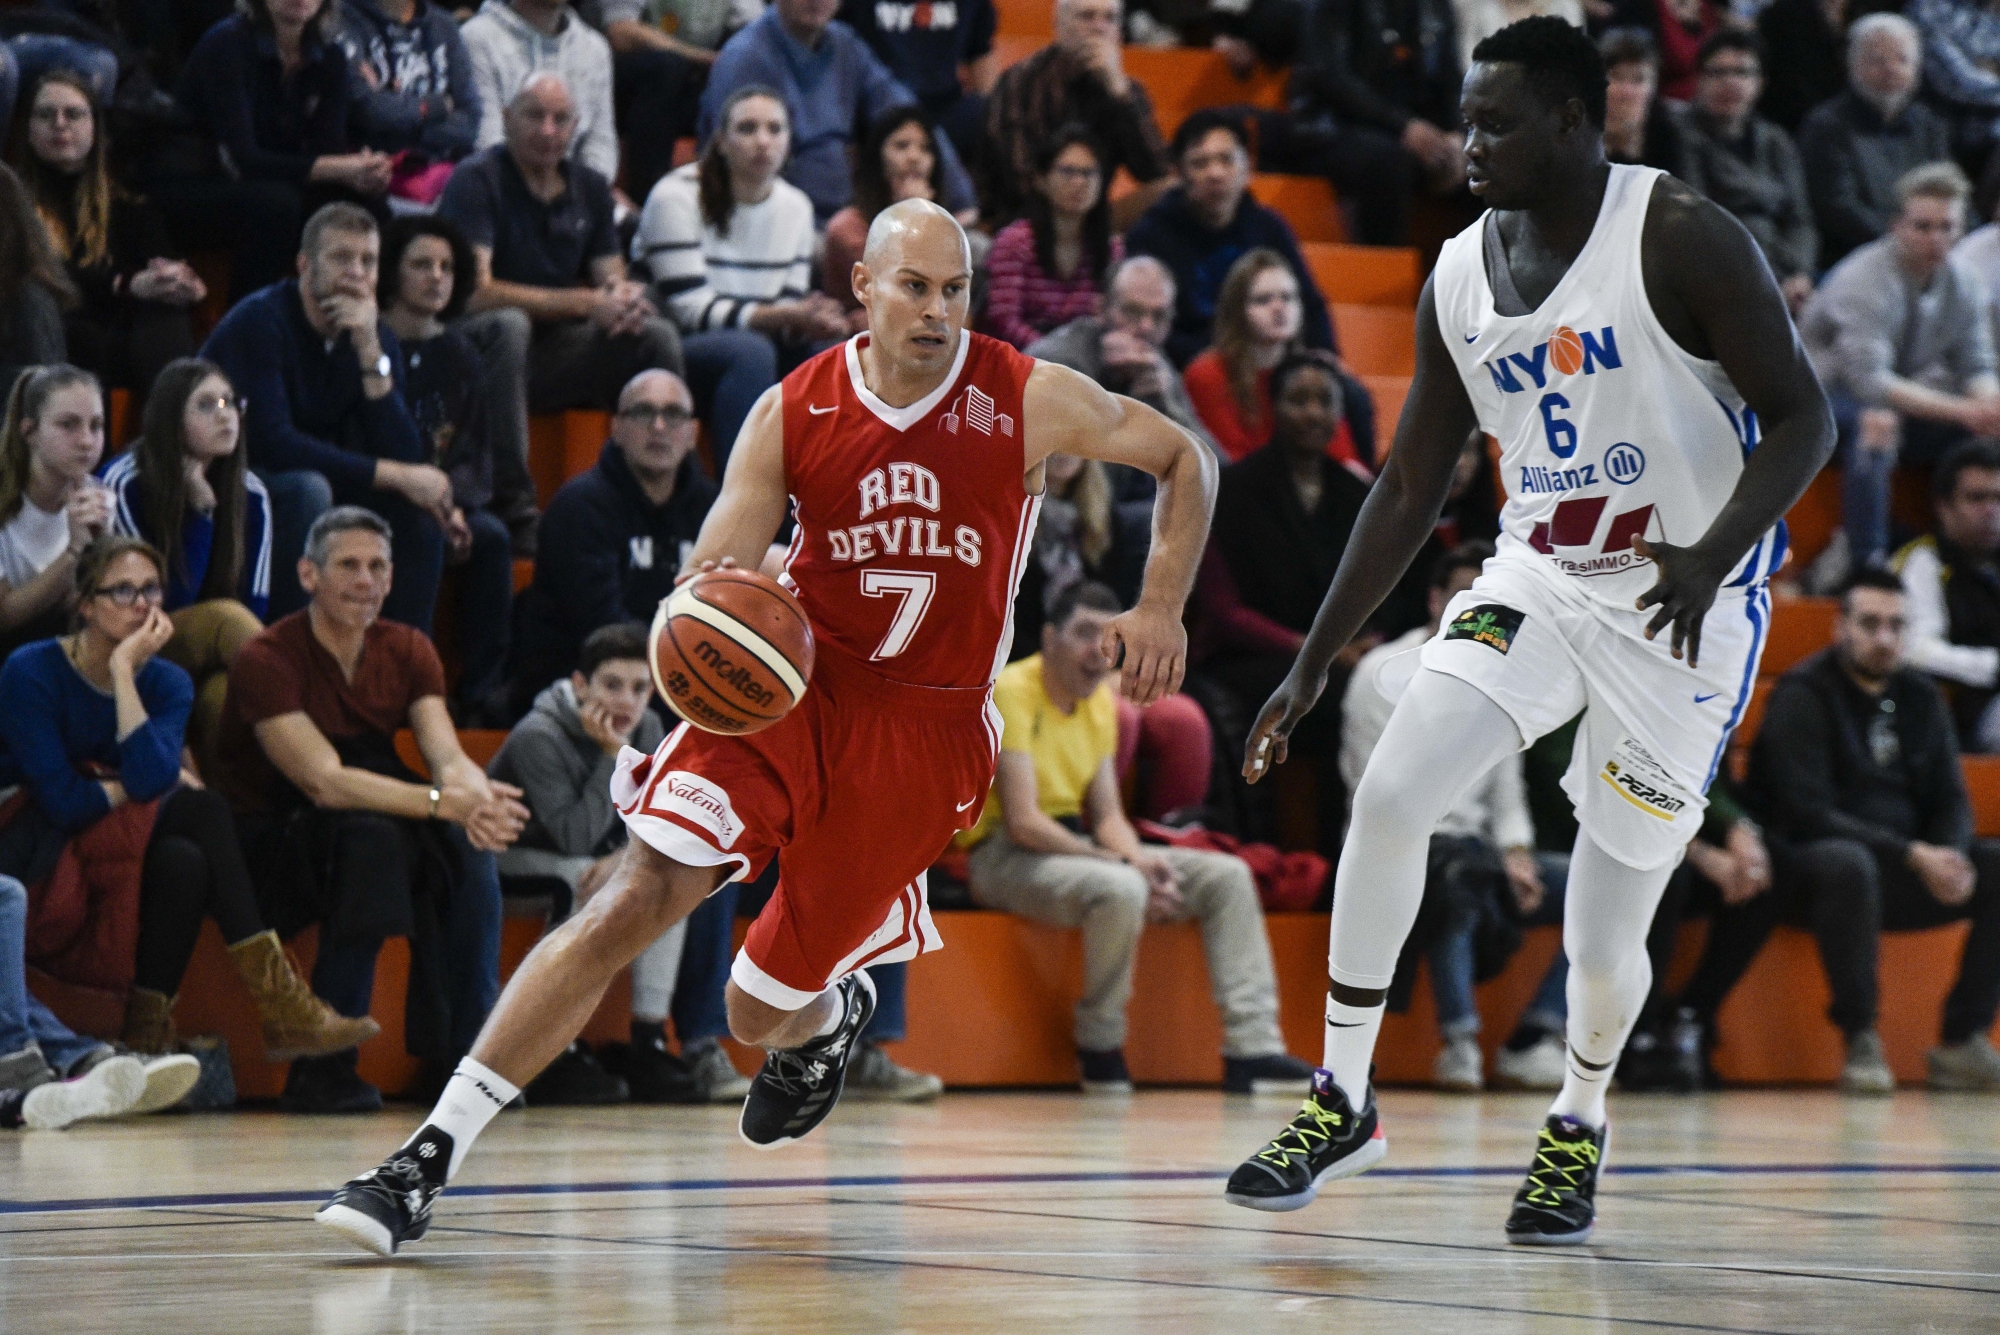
731 651
1565 350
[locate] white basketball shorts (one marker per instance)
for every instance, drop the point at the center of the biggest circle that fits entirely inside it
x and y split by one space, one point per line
1654 729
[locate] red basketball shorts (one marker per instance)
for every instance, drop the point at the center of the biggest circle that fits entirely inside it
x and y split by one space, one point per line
856 792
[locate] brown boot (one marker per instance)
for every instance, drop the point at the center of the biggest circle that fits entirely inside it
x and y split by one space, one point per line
149 1022
296 1023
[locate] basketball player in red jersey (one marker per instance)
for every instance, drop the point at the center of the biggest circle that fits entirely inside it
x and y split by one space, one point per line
914 456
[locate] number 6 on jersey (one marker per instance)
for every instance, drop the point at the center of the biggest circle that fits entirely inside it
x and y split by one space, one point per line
916 588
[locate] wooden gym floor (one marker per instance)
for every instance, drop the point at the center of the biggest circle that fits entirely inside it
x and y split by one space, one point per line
1755 1211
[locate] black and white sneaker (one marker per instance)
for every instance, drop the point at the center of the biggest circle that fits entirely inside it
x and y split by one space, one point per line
799 1086
1557 1205
1327 1141
390 1204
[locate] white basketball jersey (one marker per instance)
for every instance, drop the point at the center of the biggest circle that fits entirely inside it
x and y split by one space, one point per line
1608 429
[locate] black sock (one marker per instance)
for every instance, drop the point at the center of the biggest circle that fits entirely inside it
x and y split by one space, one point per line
11 1104
648 1033
1525 1036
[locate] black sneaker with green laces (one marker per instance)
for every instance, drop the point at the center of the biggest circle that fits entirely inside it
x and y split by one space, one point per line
1327 1141
1557 1205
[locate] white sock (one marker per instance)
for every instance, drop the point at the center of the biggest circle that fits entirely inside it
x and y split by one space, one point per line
1350 1047
835 1016
1606 915
472 1097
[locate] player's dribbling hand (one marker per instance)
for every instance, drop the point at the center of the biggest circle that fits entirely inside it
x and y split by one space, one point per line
1270 740
1684 593
1155 652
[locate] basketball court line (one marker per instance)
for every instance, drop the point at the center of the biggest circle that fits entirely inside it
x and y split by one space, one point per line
848 1182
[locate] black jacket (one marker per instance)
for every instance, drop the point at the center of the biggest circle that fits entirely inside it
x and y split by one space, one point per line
605 554
1282 558
1853 159
1832 762
1378 63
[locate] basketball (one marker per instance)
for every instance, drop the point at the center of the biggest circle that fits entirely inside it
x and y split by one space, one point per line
1566 350
731 651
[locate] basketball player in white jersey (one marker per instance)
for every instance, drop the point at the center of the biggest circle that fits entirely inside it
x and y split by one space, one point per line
1623 340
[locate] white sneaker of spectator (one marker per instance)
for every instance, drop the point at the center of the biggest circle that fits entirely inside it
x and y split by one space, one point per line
1460 1065
1538 1067
875 1078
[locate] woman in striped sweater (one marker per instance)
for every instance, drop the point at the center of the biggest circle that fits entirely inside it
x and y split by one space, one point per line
1048 267
728 245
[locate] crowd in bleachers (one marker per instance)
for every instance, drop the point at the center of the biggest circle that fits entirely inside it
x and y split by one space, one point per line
286 287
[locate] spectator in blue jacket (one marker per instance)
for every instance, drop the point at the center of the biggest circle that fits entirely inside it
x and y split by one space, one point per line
1206 223
941 52
186 488
411 85
613 539
833 84
273 90
323 377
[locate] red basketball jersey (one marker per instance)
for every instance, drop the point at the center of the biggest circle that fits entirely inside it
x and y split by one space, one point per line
914 524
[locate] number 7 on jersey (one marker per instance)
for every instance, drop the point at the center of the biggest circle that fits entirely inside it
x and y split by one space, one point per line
916 588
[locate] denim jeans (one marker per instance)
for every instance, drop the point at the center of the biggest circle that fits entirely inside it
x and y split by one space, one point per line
1452 969
726 370
344 973
24 1020
699 1011
485 607
300 496
1868 476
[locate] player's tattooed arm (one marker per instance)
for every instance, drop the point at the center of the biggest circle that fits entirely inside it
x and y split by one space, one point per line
1068 413
746 515
1400 513
1712 291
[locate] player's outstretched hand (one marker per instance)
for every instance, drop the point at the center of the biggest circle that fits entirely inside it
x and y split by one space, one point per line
1684 593
1154 643
1270 740
726 563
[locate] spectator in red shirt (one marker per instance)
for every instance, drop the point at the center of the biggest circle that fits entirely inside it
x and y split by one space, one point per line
1258 316
1048 267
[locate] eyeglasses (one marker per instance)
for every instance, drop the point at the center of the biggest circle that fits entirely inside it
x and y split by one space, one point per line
211 405
59 115
1075 175
670 416
126 595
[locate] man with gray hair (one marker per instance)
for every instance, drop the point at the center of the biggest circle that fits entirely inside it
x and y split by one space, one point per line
556 320
1122 349
1858 145
1898 334
325 419
338 831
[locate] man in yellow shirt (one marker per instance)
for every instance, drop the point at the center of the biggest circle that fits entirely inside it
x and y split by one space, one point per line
1053 845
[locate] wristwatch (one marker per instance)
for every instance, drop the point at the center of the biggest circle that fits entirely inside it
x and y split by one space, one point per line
382 366
436 797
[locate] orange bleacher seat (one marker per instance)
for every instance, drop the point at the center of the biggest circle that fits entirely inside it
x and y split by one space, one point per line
1181 80
1813 520
1388 391
1309 205
524 572
1365 275
562 445
1026 18
1377 340
118 423
1800 628
1982 785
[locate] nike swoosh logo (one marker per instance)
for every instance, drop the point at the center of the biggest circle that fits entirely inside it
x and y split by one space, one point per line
1472 338
821 412
968 802
1704 699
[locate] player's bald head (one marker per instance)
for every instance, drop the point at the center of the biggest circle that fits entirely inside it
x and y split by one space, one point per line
918 233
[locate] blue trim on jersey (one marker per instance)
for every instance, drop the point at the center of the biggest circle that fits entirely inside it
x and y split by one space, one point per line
1750 564
1752 608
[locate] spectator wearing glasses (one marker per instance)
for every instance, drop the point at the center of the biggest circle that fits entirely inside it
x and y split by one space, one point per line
186 487
1746 164
1048 266
1124 348
93 728
427 275
50 506
132 312
614 538
728 245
